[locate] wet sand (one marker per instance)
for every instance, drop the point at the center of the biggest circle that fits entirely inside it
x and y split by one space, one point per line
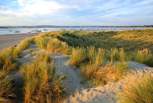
12 39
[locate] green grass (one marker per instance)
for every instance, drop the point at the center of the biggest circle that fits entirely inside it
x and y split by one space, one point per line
129 40
128 43
137 90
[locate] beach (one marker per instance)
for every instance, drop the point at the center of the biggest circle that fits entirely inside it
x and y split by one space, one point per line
12 39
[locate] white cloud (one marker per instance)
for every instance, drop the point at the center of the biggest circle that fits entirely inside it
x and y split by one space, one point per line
34 8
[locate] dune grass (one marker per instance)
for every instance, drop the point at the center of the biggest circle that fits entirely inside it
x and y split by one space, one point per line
7 61
6 90
41 84
144 56
101 75
137 44
129 40
41 41
101 69
24 44
78 56
56 46
139 89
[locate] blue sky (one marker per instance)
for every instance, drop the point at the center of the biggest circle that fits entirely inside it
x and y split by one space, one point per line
76 12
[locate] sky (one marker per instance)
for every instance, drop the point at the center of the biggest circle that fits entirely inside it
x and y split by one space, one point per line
76 12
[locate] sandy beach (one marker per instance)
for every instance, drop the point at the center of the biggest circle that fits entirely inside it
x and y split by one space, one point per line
12 39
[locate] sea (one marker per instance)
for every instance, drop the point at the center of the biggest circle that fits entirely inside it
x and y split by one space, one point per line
27 30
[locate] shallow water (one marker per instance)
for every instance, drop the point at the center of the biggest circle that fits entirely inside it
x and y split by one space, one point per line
20 30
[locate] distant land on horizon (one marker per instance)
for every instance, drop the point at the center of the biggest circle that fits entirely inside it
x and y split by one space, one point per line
56 26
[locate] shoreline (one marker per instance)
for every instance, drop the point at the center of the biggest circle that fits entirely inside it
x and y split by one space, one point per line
8 40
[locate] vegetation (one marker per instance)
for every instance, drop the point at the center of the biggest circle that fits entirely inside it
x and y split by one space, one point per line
41 84
41 41
78 56
129 40
102 57
137 90
97 67
144 56
56 46
24 44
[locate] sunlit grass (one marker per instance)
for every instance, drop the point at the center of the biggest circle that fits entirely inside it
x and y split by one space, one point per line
40 81
56 46
24 44
138 89
144 56
6 88
78 56
41 41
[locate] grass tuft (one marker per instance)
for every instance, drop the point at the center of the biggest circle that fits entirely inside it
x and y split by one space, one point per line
137 90
40 81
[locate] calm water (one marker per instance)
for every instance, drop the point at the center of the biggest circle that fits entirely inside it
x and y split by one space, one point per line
4 31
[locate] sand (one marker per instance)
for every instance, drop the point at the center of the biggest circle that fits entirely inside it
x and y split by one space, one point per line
12 39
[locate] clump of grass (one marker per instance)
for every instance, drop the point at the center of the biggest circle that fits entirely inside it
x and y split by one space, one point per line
41 41
113 55
91 54
6 87
99 72
56 46
96 56
40 82
24 44
99 60
6 60
137 90
78 56
144 56
101 75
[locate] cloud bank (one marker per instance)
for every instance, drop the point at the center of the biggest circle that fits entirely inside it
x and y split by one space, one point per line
76 12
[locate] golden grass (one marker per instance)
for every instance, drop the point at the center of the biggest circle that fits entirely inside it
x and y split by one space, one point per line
41 41
144 56
78 56
6 60
41 84
101 75
24 44
138 89
56 46
102 70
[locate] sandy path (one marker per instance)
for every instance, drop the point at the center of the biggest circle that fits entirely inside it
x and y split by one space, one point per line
73 79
